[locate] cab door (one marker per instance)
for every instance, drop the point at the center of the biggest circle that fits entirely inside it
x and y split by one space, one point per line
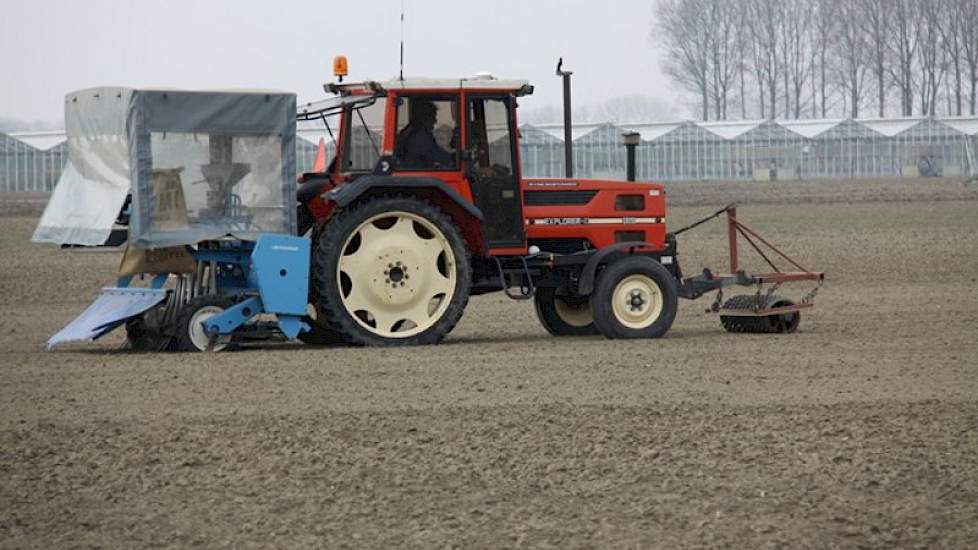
490 168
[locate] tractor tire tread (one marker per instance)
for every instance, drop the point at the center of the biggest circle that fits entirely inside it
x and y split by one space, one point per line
333 234
602 297
543 302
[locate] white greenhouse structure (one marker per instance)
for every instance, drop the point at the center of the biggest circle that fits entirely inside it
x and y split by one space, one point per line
760 150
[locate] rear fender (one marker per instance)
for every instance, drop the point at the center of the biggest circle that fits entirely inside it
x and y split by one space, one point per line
585 285
467 217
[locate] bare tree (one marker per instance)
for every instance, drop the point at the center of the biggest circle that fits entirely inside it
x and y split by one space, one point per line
849 54
756 61
765 37
950 28
965 12
874 17
724 45
831 55
796 44
903 50
742 71
822 32
932 55
686 41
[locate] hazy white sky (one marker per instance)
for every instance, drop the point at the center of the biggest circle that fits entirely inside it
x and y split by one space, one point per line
52 47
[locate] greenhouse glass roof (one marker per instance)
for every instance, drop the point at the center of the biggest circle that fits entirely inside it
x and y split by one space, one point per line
811 128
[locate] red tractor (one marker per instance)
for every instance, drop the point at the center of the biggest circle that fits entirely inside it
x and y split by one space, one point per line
423 205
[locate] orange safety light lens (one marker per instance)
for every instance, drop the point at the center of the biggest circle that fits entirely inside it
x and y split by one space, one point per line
340 67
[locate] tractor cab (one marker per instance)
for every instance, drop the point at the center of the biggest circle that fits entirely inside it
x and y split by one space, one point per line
460 132
460 136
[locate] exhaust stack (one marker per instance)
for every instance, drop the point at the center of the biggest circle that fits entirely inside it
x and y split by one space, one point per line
568 142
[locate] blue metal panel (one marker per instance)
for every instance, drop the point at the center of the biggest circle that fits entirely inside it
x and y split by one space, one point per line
292 325
233 262
280 266
233 317
159 280
112 308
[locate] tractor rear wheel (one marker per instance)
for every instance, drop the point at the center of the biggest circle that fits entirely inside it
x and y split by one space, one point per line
319 333
391 270
563 314
634 297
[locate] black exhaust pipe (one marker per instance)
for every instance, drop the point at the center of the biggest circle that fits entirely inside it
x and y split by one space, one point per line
568 141
631 139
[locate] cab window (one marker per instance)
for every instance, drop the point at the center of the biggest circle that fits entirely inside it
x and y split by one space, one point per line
427 133
364 137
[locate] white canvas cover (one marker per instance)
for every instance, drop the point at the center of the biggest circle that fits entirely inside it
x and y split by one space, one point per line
95 180
199 166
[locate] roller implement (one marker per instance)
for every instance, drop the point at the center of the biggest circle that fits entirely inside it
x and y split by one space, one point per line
421 206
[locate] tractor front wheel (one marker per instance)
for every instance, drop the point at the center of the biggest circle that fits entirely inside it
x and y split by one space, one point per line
391 270
635 297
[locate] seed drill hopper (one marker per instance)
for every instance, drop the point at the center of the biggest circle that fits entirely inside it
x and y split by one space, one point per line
202 186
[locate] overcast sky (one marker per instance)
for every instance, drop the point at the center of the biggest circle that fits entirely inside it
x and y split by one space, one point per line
51 47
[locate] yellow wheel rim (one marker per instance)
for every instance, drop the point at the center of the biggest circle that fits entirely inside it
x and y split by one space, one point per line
637 301
396 274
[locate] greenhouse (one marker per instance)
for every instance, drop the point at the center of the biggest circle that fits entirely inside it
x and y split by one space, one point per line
765 150
759 150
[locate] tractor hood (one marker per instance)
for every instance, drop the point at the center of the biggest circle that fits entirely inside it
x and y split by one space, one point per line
198 165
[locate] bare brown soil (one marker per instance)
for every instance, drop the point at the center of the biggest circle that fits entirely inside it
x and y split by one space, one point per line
859 431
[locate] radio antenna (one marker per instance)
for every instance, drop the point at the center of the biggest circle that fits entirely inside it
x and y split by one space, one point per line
402 40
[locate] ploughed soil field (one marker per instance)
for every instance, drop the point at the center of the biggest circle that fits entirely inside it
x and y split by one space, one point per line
859 431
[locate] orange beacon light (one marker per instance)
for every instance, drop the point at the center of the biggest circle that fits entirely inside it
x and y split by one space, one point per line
340 68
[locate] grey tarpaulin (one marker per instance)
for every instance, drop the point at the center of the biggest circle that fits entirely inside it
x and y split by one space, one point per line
199 164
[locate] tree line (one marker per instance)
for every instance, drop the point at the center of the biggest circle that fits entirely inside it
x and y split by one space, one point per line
820 58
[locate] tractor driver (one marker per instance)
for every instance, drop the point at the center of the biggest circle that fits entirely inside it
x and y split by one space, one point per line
416 143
